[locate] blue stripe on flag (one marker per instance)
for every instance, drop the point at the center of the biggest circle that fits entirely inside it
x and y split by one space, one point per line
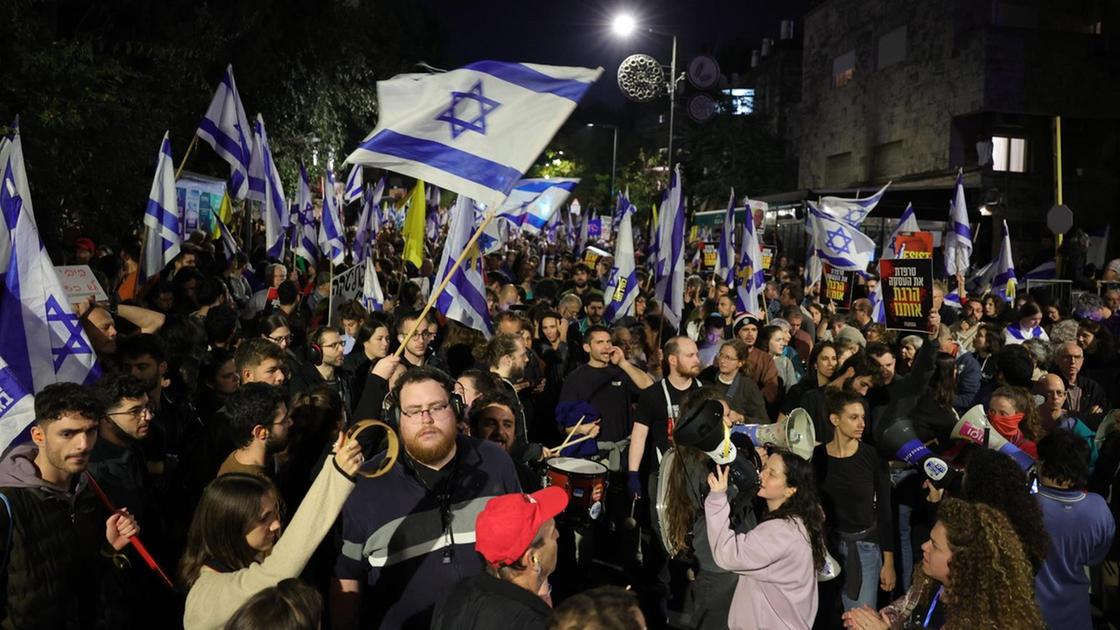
530 79
228 144
962 230
440 156
539 187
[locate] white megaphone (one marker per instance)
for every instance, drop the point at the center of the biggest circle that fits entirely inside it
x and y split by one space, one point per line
974 427
794 434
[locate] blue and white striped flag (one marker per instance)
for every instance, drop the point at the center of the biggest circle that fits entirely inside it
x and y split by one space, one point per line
369 222
464 299
622 285
671 288
372 296
581 242
533 202
908 222
1004 282
41 337
265 186
162 226
1046 271
839 243
332 240
225 127
354 184
17 406
851 211
958 238
750 277
725 251
12 148
307 243
878 309
494 236
474 130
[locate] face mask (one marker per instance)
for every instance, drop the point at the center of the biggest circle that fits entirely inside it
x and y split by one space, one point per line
1005 425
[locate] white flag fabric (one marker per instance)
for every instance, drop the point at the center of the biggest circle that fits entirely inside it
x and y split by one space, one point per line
622 285
307 241
41 337
372 296
851 211
958 238
12 148
265 186
162 226
908 222
533 202
1004 282
725 251
332 240
672 283
750 277
474 130
464 299
839 243
225 127
353 188
368 223
17 406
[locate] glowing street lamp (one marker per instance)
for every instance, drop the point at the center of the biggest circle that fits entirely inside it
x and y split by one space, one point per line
623 25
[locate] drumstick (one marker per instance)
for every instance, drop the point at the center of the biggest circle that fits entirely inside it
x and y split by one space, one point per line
135 540
572 432
574 442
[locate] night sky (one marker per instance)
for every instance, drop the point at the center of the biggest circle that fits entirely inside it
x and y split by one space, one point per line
577 32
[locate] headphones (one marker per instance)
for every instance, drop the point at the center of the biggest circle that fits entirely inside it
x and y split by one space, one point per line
315 354
391 409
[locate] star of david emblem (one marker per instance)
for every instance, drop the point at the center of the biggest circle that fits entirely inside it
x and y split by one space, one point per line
451 115
72 329
855 215
485 241
845 240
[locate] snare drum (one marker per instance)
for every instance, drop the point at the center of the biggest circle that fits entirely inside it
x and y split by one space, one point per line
584 480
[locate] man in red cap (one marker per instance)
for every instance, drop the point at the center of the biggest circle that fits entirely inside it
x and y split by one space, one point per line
516 536
83 250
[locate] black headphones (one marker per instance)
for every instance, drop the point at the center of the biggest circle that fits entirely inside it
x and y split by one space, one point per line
315 354
391 409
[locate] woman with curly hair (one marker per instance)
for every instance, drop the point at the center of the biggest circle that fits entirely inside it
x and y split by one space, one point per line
972 576
778 560
1012 413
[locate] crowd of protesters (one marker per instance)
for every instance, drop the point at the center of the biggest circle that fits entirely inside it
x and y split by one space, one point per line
566 472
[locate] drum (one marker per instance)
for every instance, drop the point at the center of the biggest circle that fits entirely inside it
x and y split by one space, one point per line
585 482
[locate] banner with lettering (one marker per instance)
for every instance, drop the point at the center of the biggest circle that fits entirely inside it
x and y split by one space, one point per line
907 285
838 285
914 245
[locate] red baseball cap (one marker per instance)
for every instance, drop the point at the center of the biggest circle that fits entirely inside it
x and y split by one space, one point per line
507 525
84 243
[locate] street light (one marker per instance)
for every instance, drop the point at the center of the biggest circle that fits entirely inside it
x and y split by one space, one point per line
623 25
614 150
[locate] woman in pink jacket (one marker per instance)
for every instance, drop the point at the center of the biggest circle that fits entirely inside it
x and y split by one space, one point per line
777 561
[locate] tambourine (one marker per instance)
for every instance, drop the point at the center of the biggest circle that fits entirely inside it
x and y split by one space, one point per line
392 445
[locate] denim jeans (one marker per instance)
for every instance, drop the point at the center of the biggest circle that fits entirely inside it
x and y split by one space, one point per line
871 561
905 544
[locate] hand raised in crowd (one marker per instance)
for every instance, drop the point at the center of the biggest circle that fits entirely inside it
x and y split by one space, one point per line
934 494
348 455
386 366
120 528
717 481
865 618
934 323
616 355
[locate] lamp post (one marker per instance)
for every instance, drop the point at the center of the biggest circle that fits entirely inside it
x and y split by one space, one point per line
614 149
623 25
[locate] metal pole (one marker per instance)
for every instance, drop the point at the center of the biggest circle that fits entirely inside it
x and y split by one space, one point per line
672 101
614 159
1057 190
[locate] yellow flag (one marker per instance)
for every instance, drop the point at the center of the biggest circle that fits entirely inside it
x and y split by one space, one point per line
225 213
414 224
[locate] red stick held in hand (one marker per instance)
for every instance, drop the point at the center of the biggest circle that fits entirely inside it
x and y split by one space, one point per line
135 540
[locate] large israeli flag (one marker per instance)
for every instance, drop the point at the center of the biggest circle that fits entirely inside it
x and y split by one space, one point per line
40 336
332 240
1004 282
750 277
671 288
353 188
533 202
162 226
474 130
372 296
851 211
12 148
907 223
369 222
307 244
464 299
958 238
622 285
265 186
225 127
17 406
839 243
725 251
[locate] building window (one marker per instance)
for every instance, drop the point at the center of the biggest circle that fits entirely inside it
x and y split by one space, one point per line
1009 154
892 48
843 69
888 160
741 101
838 169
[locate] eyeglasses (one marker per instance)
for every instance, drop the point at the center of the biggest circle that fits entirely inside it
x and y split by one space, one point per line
432 411
281 339
337 344
137 412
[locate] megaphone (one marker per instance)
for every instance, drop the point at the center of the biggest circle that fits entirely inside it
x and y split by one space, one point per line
794 434
901 442
974 427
